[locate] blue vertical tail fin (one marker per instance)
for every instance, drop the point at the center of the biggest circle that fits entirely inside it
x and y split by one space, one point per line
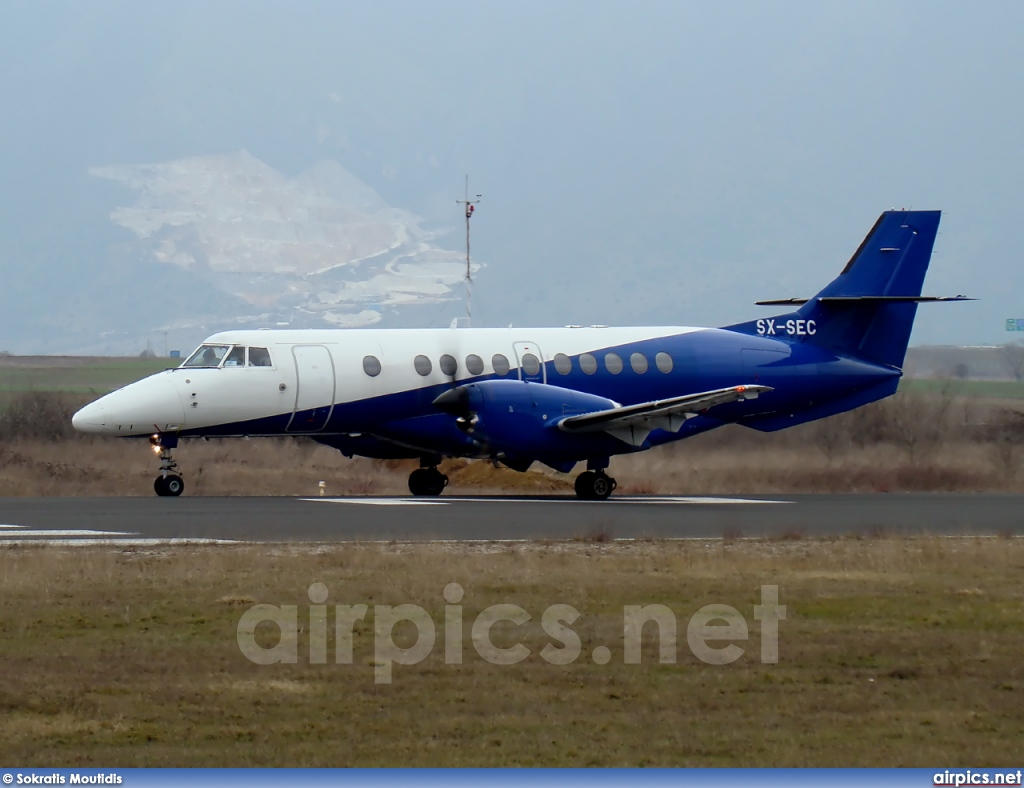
868 310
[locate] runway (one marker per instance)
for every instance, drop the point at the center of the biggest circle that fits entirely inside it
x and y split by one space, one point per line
142 521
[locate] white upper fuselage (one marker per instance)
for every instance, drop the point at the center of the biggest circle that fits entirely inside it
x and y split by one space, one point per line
322 368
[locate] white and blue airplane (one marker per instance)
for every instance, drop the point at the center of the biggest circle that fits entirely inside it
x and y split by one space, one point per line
558 396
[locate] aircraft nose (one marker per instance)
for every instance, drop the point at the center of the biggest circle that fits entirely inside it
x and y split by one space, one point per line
138 409
91 418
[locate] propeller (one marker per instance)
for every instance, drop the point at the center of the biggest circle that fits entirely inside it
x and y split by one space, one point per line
455 402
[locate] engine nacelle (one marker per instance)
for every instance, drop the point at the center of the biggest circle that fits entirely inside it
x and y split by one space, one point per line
520 419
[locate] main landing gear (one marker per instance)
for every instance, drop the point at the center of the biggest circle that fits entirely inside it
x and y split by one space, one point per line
427 481
594 486
169 482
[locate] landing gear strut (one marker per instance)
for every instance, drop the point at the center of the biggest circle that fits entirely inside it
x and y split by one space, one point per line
594 486
169 482
427 482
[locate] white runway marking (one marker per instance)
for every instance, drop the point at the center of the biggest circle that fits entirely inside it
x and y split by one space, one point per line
32 532
144 541
692 499
635 499
380 501
89 538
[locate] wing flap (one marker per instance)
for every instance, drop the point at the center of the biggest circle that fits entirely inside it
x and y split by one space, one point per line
633 423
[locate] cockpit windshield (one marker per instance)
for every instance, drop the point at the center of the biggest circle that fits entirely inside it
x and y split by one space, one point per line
229 356
207 356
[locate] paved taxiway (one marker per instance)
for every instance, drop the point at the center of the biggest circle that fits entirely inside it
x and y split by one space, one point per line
142 520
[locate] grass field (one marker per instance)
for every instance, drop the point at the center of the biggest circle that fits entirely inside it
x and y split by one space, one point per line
892 653
72 374
987 389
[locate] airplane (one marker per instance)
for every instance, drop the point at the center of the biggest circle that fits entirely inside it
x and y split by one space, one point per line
558 396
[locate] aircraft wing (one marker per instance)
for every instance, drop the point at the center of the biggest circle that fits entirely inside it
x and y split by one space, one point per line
632 423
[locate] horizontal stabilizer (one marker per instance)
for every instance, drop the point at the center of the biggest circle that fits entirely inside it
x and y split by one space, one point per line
633 423
864 299
782 302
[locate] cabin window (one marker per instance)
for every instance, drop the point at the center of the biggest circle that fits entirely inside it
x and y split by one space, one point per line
449 366
531 364
664 362
563 363
259 357
638 361
474 364
500 364
588 363
423 365
371 366
207 356
236 358
613 363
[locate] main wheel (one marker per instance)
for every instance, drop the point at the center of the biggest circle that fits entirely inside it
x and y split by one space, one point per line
602 487
594 486
427 481
582 485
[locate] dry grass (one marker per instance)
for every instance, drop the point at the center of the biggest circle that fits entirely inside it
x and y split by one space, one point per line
893 652
696 467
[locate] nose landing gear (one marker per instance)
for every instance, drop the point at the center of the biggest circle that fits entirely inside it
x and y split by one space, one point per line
169 483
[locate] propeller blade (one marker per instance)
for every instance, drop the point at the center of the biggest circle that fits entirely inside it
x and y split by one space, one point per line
454 402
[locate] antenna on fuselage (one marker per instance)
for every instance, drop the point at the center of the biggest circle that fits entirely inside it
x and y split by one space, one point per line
470 206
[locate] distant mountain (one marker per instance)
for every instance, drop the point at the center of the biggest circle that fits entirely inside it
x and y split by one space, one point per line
170 252
322 248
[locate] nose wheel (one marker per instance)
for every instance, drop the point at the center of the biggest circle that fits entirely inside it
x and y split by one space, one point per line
594 486
169 483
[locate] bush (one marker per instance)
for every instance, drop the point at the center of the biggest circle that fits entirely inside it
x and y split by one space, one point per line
41 415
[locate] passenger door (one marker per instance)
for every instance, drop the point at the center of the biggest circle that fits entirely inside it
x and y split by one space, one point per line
314 388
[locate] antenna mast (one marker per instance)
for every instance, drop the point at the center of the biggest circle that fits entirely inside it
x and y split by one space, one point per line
470 207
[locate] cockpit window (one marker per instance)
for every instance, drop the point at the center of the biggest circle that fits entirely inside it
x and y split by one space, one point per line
259 357
207 356
231 356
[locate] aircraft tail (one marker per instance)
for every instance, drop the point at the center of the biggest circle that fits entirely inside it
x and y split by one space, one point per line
868 310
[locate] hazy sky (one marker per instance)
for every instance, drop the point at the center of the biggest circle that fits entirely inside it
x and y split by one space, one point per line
641 162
